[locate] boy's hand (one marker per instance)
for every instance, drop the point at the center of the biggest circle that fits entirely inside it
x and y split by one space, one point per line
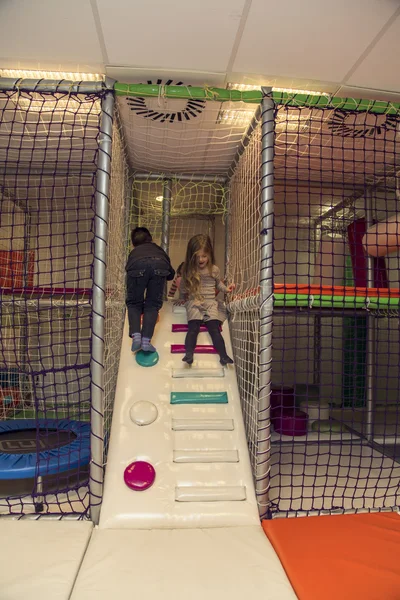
231 287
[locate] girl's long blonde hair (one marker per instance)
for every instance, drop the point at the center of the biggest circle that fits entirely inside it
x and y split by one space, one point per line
190 272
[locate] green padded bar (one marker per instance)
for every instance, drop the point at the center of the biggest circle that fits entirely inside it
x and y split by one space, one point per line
199 398
322 301
254 97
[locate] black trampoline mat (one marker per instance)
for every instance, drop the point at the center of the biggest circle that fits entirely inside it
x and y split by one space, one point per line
26 441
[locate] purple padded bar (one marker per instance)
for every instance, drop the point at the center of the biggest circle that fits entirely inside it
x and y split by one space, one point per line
181 327
180 349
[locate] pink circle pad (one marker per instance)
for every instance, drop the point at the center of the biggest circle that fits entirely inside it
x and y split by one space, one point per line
139 475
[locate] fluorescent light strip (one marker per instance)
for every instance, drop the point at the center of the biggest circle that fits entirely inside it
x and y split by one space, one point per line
245 88
57 75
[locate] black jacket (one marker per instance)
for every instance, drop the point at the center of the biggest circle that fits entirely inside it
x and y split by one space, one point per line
147 252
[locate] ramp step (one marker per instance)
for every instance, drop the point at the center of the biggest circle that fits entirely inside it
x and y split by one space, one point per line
199 398
202 425
180 349
215 493
206 456
188 373
178 310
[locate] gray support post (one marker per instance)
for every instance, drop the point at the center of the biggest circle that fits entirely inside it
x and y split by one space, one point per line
266 301
99 305
166 213
315 241
227 232
24 349
52 86
370 358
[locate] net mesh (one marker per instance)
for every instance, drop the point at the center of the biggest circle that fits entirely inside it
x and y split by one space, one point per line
244 271
118 219
335 386
195 206
48 152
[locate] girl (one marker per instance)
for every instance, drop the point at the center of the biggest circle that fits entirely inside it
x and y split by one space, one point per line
200 279
176 284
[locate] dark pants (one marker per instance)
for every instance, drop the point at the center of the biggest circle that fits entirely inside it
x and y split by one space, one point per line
213 328
145 289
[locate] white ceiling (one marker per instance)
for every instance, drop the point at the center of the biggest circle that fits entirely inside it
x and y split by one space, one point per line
338 47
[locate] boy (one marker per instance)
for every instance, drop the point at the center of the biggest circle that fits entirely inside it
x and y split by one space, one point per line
147 269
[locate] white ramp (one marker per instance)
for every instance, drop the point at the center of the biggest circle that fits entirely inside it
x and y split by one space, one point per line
199 451
195 533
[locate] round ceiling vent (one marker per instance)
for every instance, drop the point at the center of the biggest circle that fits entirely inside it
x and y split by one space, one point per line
149 108
355 125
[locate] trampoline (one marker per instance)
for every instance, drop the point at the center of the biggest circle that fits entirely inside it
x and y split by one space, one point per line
32 448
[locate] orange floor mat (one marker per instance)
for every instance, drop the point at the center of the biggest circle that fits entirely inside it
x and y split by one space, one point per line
341 557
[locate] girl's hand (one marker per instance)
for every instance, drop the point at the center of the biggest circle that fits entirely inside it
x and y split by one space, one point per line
231 287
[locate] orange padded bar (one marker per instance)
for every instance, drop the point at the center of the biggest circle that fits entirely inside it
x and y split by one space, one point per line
342 557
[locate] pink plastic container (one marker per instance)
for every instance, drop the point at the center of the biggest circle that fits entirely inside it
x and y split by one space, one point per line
282 399
292 422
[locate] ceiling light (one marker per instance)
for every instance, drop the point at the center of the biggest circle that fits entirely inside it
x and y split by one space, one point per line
22 74
236 117
246 88
305 92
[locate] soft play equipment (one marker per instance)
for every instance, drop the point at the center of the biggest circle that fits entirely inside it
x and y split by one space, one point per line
179 501
63 445
346 557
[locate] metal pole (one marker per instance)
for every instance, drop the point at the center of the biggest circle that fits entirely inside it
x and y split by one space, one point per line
24 348
98 306
221 179
370 358
61 86
266 300
166 214
227 232
316 238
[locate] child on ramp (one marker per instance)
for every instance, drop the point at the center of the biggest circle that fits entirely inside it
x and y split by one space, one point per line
147 270
200 280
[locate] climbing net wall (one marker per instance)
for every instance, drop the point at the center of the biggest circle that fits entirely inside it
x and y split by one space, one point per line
335 387
191 144
194 208
48 182
244 270
335 355
329 431
119 201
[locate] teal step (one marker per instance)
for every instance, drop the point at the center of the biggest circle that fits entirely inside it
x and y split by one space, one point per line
199 398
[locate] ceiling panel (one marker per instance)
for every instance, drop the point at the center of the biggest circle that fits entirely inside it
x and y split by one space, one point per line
381 67
346 91
48 32
313 39
199 78
176 34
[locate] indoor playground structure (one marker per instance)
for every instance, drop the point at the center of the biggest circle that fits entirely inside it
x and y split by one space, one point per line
174 465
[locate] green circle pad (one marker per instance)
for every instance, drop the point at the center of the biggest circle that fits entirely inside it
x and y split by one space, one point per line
147 359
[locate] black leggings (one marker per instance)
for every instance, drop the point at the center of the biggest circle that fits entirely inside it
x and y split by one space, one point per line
213 328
